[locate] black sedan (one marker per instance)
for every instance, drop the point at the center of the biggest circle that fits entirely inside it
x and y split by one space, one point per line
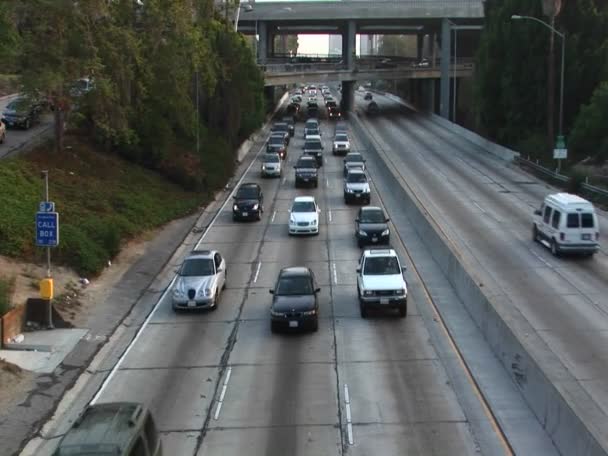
248 202
21 112
294 302
371 226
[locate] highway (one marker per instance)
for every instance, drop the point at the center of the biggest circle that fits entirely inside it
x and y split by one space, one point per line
16 138
485 208
220 383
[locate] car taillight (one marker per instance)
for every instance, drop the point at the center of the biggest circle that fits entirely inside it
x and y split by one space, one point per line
562 236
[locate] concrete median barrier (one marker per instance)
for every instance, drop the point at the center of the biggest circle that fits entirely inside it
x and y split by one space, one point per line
573 421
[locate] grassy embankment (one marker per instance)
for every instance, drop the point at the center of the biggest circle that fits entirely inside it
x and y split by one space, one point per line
102 200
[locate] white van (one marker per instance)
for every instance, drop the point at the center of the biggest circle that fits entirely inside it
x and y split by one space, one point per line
567 223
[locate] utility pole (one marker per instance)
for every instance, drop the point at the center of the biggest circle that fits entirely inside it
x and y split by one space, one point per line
551 86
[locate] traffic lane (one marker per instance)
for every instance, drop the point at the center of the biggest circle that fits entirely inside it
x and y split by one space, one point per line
282 395
498 192
388 364
553 314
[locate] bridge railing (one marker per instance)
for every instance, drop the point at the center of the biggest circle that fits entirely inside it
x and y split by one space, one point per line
277 68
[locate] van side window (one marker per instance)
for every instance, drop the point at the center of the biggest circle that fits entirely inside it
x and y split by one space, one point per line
587 220
151 434
572 221
139 448
556 218
547 214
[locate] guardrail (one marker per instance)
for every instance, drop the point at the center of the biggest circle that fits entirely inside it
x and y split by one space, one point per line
592 189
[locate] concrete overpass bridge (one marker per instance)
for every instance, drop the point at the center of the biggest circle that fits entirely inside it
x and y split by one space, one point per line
437 19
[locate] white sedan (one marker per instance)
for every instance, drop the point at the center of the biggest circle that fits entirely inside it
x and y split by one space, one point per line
304 216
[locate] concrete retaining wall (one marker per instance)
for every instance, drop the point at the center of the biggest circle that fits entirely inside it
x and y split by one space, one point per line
570 417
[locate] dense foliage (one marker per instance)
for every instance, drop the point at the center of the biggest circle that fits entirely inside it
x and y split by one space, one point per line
167 74
512 73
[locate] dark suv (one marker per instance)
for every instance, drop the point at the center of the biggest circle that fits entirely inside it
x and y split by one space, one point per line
306 171
21 112
294 302
248 202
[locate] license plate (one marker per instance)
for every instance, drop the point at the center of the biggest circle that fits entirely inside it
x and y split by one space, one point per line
306 179
383 300
586 237
358 195
374 239
191 303
293 324
244 214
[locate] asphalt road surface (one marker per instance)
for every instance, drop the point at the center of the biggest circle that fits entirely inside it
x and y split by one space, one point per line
220 383
16 138
486 208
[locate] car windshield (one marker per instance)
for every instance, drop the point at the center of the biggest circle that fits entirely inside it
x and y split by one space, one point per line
294 285
312 131
247 193
195 267
354 158
375 216
341 138
312 145
381 266
271 158
17 104
280 127
356 178
276 140
306 163
303 206
331 104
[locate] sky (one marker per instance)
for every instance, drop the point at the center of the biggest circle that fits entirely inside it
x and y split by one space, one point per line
315 44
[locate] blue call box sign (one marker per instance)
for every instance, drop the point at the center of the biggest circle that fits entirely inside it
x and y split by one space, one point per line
47 229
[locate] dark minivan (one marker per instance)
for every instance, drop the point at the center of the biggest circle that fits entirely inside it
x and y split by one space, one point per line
248 202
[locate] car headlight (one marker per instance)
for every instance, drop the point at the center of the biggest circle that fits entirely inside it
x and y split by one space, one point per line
366 190
386 232
235 208
362 233
292 220
276 314
177 293
314 222
263 167
255 206
368 293
309 312
400 292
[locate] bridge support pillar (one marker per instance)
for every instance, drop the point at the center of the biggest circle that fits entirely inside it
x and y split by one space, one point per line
446 48
349 45
263 42
348 96
419 46
269 98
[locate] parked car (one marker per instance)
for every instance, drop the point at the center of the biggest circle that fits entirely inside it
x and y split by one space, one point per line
2 132
356 187
567 223
341 144
353 160
371 226
248 202
294 300
200 280
271 165
380 282
21 112
304 216
307 171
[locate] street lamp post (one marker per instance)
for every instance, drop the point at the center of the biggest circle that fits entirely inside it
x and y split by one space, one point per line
561 90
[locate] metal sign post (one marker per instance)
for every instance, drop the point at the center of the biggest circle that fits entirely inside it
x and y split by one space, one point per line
560 152
47 235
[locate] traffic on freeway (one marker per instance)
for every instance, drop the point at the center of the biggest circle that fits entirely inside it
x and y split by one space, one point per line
296 324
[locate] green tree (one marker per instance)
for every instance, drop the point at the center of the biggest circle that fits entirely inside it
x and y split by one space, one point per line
589 137
9 39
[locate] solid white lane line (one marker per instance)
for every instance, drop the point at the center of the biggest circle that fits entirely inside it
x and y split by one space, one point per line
257 272
329 215
349 420
542 260
220 401
116 367
479 207
274 214
285 179
327 182
334 272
